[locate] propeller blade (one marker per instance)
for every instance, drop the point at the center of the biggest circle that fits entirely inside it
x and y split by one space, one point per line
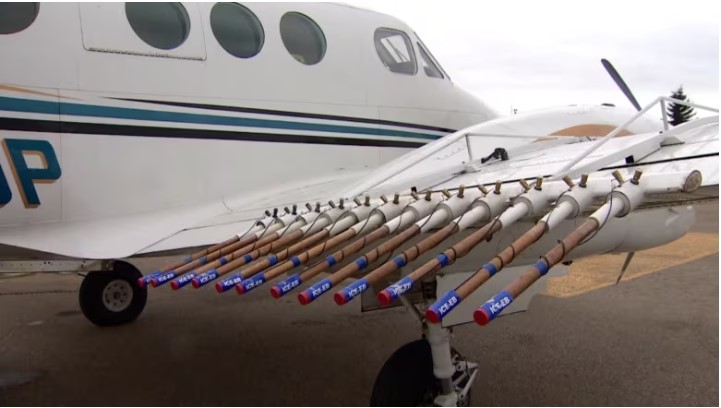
621 84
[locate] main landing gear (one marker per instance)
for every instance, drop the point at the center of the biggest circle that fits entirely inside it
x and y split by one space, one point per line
112 297
425 372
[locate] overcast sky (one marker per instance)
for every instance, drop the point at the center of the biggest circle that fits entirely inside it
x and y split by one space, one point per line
533 54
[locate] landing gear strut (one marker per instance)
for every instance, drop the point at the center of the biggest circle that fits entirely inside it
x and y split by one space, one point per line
112 297
425 372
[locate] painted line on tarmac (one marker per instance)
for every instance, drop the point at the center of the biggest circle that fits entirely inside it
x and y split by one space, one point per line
601 271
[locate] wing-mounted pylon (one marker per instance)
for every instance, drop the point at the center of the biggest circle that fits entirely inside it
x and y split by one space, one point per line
572 188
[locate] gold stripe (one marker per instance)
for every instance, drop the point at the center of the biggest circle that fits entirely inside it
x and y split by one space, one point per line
589 130
23 90
32 92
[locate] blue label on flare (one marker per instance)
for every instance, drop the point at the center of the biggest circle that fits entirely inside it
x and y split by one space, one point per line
272 260
253 282
248 259
206 277
296 261
444 305
185 279
165 277
496 304
355 289
147 278
288 284
400 287
231 282
331 260
319 288
361 262
400 261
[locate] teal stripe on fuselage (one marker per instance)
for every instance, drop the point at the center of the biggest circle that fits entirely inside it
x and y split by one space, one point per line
76 109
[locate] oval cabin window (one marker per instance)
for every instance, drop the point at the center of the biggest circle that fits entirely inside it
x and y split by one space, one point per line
236 29
161 25
303 38
15 17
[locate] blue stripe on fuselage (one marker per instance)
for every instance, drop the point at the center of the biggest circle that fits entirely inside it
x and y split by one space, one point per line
76 109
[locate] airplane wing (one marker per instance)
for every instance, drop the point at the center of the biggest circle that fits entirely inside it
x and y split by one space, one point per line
444 164
439 166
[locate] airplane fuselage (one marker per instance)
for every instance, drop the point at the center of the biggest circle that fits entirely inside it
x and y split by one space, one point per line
134 128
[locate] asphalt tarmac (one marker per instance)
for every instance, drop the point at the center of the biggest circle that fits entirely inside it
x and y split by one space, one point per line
651 340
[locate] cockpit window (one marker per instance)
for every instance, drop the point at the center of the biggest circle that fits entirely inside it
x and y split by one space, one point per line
429 67
160 25
15 17
237 29
395 50
303 38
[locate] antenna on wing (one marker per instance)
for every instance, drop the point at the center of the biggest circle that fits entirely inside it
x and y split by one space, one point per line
621 84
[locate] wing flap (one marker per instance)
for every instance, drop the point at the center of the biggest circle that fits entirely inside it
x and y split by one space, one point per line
172 228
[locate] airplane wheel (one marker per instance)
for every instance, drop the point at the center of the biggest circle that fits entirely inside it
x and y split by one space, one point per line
406 379
109 298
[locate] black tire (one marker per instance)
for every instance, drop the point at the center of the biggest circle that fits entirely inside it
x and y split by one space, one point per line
406 379
117 308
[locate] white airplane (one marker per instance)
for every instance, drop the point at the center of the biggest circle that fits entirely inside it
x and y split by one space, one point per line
151 129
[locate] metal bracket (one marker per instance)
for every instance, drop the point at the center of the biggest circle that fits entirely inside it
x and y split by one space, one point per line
465 380
53 266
